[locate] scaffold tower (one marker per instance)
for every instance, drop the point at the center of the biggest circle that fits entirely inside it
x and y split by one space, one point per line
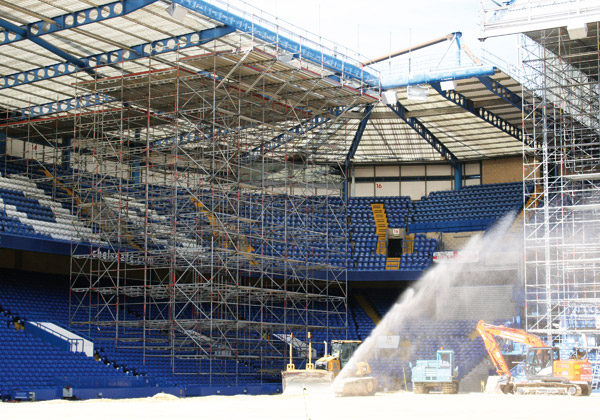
560 73
207 173
561 171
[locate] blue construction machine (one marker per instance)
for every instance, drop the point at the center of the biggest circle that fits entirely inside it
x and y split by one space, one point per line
440 374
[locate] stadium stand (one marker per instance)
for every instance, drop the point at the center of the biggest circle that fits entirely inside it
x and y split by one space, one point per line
31 207
34 209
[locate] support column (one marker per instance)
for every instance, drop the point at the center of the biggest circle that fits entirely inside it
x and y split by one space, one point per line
458 176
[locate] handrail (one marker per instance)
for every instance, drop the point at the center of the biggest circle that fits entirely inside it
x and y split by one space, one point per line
64 327
70 340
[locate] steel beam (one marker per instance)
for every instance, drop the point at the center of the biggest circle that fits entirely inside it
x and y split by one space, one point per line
502 92
72 20
487 116
362 125
330 62
48 46
435 76
458 176
148 49
424 132
64 105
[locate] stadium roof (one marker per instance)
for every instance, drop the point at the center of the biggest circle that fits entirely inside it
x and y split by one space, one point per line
67 59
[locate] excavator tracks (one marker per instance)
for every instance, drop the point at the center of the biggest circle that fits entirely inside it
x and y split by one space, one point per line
552 388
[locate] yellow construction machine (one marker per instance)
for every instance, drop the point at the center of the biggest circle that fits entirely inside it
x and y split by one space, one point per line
322 374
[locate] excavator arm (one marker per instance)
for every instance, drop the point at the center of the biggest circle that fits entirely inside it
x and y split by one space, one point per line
489 333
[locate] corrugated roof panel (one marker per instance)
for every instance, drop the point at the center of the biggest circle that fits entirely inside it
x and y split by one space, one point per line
259 93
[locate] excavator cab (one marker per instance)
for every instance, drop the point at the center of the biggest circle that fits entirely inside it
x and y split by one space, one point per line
540 362
344 349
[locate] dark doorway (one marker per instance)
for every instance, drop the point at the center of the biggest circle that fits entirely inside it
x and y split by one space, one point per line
394 248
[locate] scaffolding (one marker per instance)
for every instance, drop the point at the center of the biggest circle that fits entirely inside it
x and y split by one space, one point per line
208 189
562 173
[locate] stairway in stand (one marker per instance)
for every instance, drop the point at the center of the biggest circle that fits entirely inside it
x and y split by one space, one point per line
381 225
368 308
392 264
227 241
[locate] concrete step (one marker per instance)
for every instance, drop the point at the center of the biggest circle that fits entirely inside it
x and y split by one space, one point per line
476 379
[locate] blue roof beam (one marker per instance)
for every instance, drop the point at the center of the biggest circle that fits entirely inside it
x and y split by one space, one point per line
487 116
343 68
404 80
424 132
72 20
148 49
502 92
362 125
48 46
64 105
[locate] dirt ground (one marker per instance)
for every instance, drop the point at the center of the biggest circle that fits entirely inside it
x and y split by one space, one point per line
401 405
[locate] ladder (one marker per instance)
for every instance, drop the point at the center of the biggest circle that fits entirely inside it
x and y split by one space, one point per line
381 226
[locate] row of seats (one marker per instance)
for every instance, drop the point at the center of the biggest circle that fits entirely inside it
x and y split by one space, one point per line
30 363
39 208
39 298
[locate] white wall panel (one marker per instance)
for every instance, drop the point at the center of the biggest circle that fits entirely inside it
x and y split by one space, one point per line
383 189
415 190
472 169
387 171
439 170
364 189
438 186
413 170
364 172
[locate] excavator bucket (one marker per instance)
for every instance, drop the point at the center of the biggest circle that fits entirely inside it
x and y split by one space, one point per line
312 381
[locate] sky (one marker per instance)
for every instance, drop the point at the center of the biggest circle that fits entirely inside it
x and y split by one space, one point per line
378 27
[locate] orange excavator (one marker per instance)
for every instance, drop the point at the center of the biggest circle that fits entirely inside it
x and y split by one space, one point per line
545 372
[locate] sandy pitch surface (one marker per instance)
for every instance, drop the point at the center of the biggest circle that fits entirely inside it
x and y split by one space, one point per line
401 405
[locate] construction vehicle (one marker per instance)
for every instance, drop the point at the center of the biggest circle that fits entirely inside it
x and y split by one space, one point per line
544 371
324 372
439 374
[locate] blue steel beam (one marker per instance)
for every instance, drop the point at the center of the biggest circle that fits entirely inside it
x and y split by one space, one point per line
48 46
73 20
332 63
435 76
487 116
424 132
502 92
64 105
148 49
362 125
458 176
